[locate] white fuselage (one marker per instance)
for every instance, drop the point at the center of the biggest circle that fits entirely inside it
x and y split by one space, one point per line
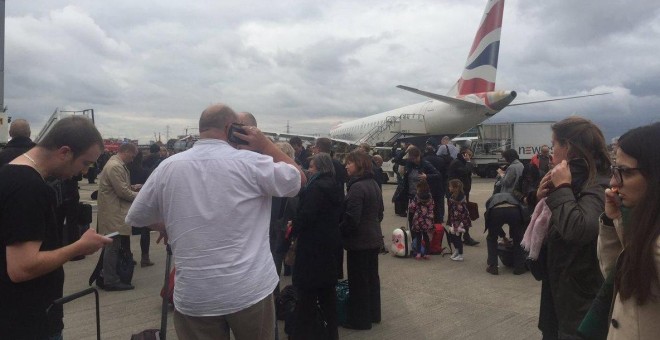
438 119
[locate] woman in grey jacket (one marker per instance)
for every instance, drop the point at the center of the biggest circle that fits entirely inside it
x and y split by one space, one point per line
362 239
575 195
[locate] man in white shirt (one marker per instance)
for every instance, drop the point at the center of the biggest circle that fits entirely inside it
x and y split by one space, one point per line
214 202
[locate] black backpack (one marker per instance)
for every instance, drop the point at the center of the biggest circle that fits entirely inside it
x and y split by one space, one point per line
125 268
445 160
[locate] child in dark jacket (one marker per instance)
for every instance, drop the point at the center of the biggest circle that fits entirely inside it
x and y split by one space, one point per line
421 210
458 221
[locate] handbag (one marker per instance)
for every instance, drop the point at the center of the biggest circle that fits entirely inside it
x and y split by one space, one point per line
290 257
473 210
596 322
125 266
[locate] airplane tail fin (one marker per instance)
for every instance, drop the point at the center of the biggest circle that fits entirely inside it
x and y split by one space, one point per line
481 65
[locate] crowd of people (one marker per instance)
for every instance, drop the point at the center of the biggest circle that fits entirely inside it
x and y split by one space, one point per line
238 213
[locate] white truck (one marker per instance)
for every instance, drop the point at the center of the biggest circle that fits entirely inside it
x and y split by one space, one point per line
524 137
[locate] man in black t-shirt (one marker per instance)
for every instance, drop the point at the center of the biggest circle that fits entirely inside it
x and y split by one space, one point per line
31 256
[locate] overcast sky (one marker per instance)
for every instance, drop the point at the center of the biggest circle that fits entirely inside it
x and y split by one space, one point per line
144 65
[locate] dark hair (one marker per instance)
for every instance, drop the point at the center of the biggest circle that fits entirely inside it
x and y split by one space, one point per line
585 140
136 164
458 184
414 151
127 147
323 163
638 273
324 144
76 132
295 141
154 148
361 160
422 188
464 149
510 155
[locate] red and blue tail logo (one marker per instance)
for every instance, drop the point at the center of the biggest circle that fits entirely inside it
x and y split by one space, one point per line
481 65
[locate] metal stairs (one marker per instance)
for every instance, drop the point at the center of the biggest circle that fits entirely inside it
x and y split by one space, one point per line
405 124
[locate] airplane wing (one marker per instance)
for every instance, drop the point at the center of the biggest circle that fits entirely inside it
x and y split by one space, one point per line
311 139
560 98
439 97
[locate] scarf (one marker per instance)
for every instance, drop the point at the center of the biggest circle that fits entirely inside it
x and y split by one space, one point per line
537 230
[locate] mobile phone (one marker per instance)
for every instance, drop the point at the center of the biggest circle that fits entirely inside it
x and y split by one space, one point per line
236 127
111 235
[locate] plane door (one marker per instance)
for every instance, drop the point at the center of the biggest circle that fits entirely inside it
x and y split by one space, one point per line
415 123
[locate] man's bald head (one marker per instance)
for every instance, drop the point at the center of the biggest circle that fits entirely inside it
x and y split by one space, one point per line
247 118
19 128
214 120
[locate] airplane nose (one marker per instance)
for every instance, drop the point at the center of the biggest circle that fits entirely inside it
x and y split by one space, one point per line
498 100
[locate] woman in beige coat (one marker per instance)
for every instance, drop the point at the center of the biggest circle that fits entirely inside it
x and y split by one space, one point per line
629 240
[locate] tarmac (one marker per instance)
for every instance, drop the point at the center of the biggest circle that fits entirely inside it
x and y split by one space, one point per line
425 299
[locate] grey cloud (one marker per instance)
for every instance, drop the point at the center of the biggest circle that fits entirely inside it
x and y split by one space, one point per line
143 65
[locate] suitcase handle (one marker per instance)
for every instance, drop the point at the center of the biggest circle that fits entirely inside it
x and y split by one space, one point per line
78 295
163 315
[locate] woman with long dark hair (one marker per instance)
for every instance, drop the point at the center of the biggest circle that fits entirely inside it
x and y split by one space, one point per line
571 198
317 238
629 241
362 239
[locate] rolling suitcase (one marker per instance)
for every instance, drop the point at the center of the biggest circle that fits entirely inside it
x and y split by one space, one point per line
401 242
159 334
78 295
436 240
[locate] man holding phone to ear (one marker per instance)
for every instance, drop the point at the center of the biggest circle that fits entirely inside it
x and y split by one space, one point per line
214 203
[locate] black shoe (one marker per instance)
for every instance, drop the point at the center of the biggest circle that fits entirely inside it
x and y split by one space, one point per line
349 326
470 242
519 271
118 287
493 270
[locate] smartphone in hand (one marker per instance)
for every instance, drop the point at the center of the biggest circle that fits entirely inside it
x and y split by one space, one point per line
111 235
236 127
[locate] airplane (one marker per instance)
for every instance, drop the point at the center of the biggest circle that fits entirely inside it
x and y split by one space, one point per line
469 102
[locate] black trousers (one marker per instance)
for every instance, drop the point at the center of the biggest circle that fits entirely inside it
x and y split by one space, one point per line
306 313
91 175
67 216
363 287
497 217
456 242
439 207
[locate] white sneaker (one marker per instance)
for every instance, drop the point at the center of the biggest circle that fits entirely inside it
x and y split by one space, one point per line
458 257
454 254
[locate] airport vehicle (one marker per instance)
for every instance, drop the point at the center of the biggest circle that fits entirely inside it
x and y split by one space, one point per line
470 101
524 137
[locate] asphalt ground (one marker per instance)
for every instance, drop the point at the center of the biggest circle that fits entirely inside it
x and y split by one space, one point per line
432 299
